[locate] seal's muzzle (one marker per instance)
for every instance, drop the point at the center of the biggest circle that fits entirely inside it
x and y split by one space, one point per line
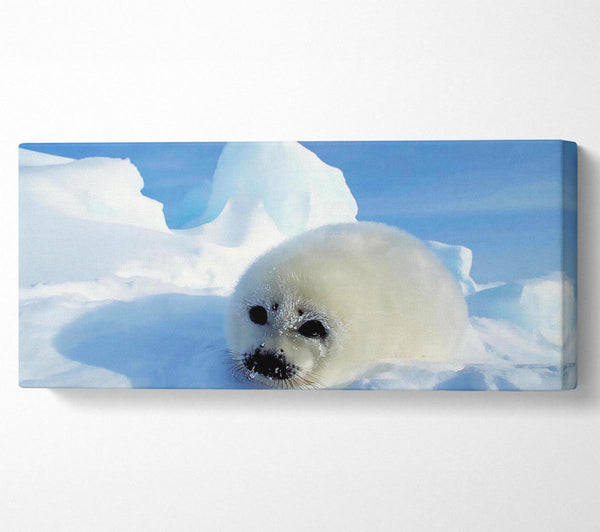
272 365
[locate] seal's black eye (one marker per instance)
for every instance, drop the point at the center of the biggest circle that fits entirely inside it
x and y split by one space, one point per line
258 315
313 329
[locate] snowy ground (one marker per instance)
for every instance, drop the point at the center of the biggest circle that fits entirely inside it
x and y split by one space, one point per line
111 297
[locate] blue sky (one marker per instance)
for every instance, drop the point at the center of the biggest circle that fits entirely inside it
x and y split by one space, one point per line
502 199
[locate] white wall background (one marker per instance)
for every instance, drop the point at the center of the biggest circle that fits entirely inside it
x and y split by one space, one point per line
311 70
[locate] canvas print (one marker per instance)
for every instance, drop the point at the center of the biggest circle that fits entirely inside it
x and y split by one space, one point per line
299 265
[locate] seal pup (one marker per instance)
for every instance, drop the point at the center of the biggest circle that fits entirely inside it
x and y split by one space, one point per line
320 307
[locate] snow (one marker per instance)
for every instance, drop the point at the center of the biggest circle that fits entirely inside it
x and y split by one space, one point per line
111 297
297 190
80 219
458 260
56 248
35 158
97 188
545 305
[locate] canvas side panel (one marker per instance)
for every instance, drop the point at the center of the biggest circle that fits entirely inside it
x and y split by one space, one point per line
569 263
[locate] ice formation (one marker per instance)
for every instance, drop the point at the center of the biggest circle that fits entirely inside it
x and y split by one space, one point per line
111 297
458 260
295 188
97 188
545 305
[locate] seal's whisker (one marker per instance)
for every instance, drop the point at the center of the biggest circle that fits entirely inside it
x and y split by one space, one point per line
310 378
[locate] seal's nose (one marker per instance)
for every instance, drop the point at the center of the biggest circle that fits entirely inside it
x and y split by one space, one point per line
272 365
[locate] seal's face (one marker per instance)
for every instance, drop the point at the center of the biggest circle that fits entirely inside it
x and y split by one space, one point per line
280 340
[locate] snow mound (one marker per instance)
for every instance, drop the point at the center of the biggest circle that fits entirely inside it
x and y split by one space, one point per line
297 190
458 260
87 219
262 194
36 158
97 188
82 219
545 306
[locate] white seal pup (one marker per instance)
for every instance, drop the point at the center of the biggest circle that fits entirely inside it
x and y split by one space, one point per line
318 308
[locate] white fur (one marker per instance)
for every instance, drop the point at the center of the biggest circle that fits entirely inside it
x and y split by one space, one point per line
380 292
